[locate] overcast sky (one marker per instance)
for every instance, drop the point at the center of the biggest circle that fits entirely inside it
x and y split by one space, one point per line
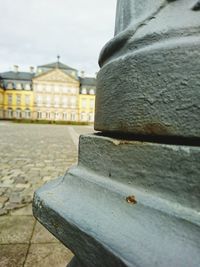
33 32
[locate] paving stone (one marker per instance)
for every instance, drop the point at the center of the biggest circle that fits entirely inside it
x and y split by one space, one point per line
27 210
27 163
15 198
3 211
16 229
41 235
12 206
22 185
46 178
13 255
3 199
45 255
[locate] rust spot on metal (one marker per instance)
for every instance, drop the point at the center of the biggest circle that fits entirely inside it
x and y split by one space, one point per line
131 200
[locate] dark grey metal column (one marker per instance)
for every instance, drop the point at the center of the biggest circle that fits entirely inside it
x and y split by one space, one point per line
134 197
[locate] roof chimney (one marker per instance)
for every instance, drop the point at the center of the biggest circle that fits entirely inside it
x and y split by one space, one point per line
31 69
16 68
82 74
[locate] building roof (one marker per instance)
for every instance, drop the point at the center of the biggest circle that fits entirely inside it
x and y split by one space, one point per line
56 65
11 75
87 81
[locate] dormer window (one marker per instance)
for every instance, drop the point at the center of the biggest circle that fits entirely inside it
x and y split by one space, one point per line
19 86
84 91
9 86
27 87
91 91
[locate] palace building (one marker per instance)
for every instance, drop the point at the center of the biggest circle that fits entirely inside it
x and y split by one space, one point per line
55 92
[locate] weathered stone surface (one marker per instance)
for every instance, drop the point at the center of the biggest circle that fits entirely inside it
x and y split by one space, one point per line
39 162
3 199
13 255
25 211
149 80
91 208
45 255
16 229
167 171
41 235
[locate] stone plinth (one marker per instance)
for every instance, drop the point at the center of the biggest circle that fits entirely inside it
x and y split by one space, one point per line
109 215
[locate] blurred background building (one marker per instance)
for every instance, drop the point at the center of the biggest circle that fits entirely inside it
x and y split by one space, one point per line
54 92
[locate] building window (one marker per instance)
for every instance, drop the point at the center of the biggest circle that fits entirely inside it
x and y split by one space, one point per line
27 99
27 87
39 115
9 99
38 88
64 100
48 88
73 90
9 113
48 115
18 100
73 116
56 101
27 114
52 116
65 90
56 88
92 103
9 86
91 117
44 115
84 103
65 116
44 87
73 102
83 116
19 86
84 91
91 91
48 101
57 115
39 100
18 113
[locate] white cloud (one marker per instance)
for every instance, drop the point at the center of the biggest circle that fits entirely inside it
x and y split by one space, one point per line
33 32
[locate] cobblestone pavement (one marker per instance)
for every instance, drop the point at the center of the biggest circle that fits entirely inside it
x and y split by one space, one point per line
31 155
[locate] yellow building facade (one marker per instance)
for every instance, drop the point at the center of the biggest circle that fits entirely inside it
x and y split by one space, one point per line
54 93
1 102
18 104
56 96
86 107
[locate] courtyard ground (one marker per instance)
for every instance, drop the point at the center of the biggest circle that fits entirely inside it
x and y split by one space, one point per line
31 155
